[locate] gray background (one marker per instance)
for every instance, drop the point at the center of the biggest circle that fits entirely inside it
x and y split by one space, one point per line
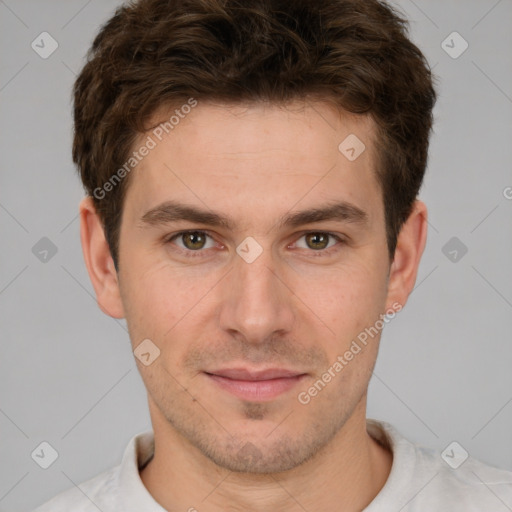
68 375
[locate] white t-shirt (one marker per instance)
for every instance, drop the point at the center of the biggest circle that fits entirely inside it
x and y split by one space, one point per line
420 481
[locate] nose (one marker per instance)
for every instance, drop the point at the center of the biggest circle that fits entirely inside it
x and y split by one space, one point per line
257 303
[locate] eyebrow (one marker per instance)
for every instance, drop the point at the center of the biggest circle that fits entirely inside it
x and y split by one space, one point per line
172 211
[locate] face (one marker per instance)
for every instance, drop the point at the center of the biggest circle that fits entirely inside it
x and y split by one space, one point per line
267 263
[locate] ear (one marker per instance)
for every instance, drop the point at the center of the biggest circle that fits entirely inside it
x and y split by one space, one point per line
409 249
98 260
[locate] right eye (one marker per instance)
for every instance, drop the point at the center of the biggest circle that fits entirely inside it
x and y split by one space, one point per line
191 242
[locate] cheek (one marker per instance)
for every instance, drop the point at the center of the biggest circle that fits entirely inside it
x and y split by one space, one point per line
347 298
157 300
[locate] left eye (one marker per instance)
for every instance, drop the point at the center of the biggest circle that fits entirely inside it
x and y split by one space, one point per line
318 241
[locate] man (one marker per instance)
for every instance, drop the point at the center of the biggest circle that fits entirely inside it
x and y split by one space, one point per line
252 171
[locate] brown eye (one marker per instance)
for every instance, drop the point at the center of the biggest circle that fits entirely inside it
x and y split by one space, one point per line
321 242
191 244
317 241
193 240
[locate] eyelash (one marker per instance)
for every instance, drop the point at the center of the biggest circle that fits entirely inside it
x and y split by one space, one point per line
194 254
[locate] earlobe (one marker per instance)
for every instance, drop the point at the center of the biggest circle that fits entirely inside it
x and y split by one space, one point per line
409 249
98 260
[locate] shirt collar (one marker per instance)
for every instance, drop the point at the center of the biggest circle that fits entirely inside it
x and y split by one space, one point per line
133 494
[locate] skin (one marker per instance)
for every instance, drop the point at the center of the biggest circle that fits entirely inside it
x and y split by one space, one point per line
297 306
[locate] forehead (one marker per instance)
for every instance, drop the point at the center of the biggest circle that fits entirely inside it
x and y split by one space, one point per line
260 155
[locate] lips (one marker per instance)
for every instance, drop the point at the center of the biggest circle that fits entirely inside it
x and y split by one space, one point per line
256 385
255 375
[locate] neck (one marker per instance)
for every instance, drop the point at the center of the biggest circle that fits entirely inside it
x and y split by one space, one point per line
345 475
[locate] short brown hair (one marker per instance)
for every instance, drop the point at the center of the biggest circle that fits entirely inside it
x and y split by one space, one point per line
155 53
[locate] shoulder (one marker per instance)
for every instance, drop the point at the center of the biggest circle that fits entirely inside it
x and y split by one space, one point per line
118 488
422 478
473 485
96 493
